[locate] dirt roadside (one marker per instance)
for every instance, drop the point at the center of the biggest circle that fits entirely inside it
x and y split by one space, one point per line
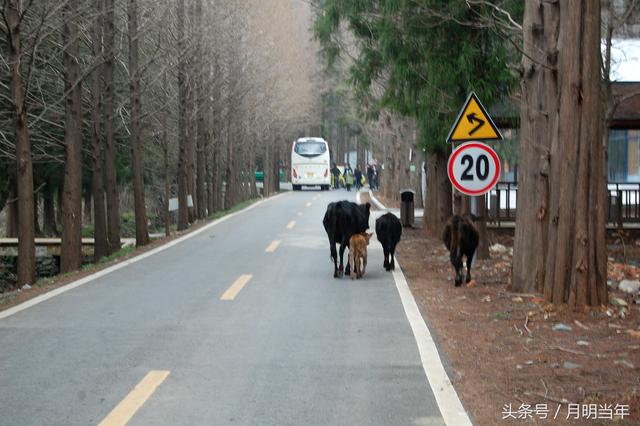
509 364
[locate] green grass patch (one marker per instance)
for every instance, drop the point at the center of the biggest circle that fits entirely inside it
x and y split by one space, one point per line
113 256
500 315
88 231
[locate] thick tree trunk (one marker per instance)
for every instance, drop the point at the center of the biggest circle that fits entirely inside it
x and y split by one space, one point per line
539 100
216 174
183 162
565 219
167 186
201 101
71 248
26 230
142 234
101 243
111 184
438 208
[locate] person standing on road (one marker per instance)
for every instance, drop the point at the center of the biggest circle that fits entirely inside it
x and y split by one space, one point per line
357 176
370 176
376 176
348 178
335 171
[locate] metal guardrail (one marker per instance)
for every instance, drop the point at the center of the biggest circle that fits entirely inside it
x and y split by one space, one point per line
501 202
623 201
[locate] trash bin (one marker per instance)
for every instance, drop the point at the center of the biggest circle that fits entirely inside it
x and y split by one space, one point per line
406 207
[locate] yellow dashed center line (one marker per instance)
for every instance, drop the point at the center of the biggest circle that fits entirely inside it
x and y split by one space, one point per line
273 246
124 411
291 224
235 288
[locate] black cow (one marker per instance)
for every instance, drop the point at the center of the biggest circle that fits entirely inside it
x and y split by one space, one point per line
388 232
461 237
341 221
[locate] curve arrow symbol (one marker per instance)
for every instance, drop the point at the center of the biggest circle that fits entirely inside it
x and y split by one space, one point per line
472 118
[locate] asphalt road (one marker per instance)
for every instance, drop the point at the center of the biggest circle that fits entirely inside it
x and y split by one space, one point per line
232 334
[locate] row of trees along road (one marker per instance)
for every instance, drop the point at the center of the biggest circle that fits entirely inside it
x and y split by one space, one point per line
419 60
169 97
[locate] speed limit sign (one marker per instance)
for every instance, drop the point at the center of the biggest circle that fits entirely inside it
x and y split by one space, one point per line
474 168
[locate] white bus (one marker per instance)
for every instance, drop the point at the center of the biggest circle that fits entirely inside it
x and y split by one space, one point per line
310 163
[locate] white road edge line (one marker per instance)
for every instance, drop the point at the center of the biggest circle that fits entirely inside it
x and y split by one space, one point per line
446 397
123 264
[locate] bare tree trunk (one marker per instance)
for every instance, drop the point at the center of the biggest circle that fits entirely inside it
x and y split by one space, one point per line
362 161
539 88
572 265
71 248
26 230
216 174
183 162
167 187
142 234
201 100
113 204
438 208
101 243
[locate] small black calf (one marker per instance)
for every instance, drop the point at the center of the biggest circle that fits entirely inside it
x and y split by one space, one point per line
461 238
388 232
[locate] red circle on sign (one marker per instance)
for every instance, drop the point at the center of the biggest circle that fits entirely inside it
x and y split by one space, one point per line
459 151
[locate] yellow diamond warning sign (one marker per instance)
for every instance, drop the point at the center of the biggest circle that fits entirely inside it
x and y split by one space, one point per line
473 123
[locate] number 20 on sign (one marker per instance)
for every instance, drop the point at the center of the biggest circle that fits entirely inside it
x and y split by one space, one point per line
474 168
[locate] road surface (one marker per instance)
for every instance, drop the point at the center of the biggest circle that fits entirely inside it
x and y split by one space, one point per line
241 324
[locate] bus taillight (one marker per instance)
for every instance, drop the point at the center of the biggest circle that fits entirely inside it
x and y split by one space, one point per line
295 175
326 172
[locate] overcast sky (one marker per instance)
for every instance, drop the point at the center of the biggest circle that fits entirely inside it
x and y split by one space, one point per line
625 60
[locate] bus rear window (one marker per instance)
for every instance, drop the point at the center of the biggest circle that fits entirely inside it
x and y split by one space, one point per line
310 149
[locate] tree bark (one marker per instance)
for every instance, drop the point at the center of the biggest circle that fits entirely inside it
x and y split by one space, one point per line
24 181
101 242
142 234
563 175
111 184
438 208
183 162
201 100
71 248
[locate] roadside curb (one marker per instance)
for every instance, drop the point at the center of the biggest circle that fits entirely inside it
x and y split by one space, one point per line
449 403
67 287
